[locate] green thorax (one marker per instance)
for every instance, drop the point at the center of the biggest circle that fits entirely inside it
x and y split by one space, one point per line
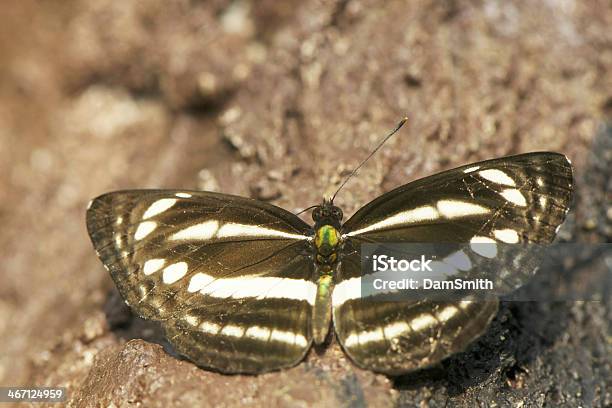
327 239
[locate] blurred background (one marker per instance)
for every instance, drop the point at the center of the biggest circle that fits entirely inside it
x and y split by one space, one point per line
279 101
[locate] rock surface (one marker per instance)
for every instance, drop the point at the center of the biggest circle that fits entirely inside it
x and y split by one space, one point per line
279 101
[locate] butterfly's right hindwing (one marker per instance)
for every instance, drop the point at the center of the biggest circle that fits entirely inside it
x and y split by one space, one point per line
229 278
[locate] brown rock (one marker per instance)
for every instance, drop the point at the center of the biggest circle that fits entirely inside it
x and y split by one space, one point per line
282 101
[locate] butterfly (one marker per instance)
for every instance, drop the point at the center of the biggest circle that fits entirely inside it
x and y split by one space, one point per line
243 286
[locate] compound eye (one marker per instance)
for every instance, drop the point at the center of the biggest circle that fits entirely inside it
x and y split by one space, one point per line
316 214
338 213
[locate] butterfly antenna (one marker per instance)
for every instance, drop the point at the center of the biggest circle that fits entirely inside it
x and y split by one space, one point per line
394 131
306 209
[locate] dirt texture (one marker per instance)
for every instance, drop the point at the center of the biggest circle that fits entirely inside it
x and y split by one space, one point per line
279 101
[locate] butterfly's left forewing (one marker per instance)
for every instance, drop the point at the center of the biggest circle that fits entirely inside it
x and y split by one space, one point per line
229 278
513 200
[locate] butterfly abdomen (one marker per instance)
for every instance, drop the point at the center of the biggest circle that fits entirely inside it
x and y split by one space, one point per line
321 313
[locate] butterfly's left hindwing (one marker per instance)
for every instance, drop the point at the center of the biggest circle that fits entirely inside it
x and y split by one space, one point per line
513 200
229 278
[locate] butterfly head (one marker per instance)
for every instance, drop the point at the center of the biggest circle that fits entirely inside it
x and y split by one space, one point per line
327 214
